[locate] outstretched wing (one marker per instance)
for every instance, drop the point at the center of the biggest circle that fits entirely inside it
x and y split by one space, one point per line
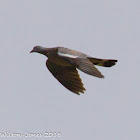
80 61
67 76
86 66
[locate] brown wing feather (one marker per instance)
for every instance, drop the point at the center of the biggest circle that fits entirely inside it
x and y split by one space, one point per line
67 76
86 66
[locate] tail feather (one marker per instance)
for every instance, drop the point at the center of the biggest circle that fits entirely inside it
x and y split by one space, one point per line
103 62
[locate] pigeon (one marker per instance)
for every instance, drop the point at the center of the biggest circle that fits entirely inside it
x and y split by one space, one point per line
63 64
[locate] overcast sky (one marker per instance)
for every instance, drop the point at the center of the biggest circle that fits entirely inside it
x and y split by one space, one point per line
33 101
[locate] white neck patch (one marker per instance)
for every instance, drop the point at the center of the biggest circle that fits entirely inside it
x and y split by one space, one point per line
67 55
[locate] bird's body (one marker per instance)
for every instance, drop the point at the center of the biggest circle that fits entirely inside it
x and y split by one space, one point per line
62 63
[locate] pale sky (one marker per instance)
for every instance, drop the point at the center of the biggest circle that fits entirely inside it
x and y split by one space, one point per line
33 101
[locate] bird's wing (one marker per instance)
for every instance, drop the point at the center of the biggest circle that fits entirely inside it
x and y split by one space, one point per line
83 64
80 61
86 66
67 76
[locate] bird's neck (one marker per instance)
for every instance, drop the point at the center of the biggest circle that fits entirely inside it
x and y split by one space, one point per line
48 51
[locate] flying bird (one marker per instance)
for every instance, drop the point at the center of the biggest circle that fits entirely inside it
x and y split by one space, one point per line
63 64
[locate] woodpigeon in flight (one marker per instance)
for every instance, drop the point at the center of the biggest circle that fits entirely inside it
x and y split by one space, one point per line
63 64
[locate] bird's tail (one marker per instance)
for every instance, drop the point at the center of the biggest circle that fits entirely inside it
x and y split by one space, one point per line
103 62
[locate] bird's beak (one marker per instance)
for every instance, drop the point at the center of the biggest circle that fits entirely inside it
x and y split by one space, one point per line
31 51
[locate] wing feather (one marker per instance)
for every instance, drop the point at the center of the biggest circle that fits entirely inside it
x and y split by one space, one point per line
85 65
67 76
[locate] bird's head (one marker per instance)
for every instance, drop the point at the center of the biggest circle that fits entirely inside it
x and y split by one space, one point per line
37 49
44 51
